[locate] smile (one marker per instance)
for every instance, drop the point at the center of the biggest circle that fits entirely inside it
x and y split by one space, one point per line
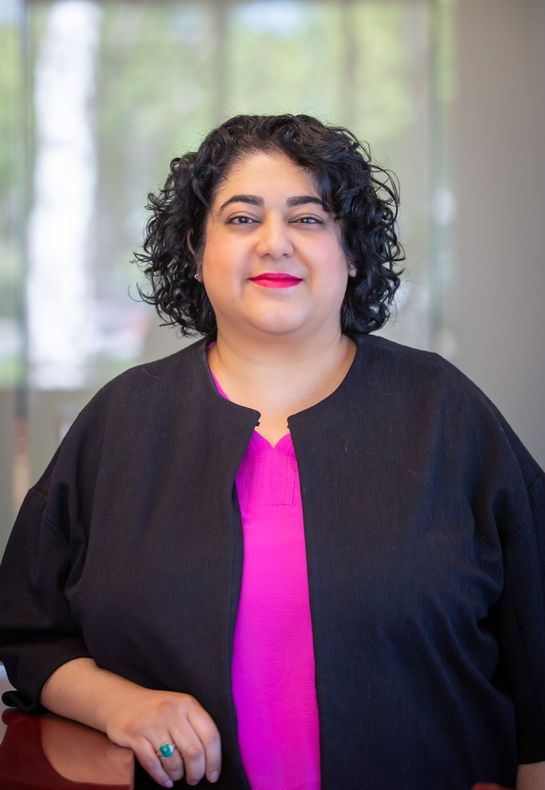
276 280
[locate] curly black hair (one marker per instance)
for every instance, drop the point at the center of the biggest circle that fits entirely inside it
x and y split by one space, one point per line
361 195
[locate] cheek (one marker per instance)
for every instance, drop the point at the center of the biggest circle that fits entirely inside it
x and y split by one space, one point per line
216 262
330 262
223 274
223 254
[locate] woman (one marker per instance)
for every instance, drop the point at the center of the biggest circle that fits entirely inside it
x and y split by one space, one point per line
292 554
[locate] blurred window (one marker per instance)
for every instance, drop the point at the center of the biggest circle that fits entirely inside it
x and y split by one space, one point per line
98 97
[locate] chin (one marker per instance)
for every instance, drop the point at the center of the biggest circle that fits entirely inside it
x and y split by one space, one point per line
277 328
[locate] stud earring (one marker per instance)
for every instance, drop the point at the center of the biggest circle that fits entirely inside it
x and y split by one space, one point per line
352 271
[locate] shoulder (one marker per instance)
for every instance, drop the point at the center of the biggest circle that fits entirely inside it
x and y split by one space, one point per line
420 372
409 376
146 385
424 384
413 367
178 369
136 401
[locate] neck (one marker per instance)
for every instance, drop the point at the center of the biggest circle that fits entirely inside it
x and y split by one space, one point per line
280 372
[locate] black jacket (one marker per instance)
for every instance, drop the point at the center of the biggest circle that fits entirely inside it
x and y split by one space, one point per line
425 536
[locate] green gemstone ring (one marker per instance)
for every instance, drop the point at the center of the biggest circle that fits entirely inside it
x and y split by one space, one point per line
166 750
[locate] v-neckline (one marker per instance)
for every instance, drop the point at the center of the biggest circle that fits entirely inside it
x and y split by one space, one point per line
283 439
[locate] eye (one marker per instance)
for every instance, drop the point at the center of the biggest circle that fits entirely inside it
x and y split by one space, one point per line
308 220
240 219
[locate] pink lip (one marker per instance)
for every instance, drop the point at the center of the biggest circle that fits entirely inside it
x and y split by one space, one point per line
276 280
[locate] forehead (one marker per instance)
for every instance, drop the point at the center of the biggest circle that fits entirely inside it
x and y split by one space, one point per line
267 172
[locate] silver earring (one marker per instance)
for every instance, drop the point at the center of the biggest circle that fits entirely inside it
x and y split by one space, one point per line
352 271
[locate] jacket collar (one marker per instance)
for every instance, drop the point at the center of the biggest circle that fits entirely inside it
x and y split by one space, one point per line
341 401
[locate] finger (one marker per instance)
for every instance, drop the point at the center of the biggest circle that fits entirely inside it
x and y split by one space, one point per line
172 763
208 734
147 757
192 753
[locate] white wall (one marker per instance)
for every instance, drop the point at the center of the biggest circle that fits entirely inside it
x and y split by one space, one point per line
498 147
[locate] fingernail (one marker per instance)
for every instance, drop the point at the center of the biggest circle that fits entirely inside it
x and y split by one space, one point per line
168 783
214 776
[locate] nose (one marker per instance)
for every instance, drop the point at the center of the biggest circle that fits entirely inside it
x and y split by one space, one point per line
274 239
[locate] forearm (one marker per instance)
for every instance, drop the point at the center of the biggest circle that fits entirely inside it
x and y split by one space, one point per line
82 691
531 776
138 718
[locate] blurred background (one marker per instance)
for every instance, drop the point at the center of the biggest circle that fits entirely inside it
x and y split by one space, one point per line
97 96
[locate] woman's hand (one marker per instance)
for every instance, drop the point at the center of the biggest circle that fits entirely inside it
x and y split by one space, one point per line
139 718
530 776
147 719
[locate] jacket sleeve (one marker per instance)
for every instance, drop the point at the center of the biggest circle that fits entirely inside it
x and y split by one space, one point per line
37 633
44 558
523 624
508 492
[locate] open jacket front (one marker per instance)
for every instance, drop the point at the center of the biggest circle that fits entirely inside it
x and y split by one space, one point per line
425 539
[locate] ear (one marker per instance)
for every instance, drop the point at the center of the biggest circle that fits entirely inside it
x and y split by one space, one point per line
188 241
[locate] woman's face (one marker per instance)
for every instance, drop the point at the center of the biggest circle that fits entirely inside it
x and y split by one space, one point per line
273 261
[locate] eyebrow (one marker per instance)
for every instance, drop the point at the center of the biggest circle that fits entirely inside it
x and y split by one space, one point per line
255 200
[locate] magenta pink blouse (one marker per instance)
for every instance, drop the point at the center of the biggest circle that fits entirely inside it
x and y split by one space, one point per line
273 657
